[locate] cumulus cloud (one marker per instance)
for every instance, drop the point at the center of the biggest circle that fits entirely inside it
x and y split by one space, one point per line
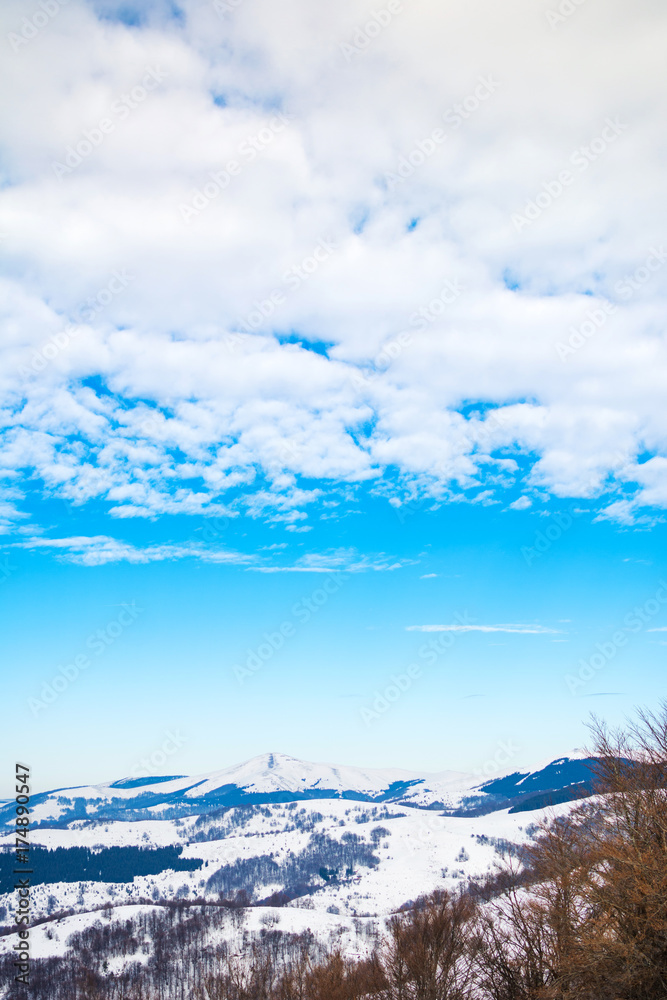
241 260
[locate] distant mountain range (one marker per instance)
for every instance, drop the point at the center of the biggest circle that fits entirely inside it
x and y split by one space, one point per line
276 778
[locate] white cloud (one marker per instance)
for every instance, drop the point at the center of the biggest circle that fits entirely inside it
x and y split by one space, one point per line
98 550
339 560
180 409
522 629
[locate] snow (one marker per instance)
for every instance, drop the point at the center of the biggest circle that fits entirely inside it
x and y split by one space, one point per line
267 774
420 854
270 774
277 772
43 946
83 833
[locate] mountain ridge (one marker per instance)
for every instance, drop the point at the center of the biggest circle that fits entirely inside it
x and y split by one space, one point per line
275 777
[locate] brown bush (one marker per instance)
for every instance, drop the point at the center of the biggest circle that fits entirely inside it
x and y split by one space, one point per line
429 952
593 925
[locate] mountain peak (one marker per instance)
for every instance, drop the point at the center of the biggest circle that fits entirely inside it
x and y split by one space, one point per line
277 777
273 760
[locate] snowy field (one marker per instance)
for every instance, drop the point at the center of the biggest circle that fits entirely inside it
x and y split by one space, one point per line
419 852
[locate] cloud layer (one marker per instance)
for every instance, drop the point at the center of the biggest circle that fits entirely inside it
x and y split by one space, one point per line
257 254
98 550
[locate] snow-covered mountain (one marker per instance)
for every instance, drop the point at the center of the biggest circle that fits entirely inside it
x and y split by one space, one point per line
311 846
333 867
271 773
273 778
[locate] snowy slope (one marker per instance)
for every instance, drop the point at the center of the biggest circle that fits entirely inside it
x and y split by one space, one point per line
419 851
269 777
278 810
273 772
275 777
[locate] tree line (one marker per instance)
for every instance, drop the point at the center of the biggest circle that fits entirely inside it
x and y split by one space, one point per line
83 864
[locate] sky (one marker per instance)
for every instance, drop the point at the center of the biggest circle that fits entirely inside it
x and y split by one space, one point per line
332 381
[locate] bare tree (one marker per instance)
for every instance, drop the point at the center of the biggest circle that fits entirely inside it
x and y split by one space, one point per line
428 955
592 922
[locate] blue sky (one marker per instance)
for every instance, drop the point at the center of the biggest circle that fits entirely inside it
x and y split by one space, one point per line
334 308
180 663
